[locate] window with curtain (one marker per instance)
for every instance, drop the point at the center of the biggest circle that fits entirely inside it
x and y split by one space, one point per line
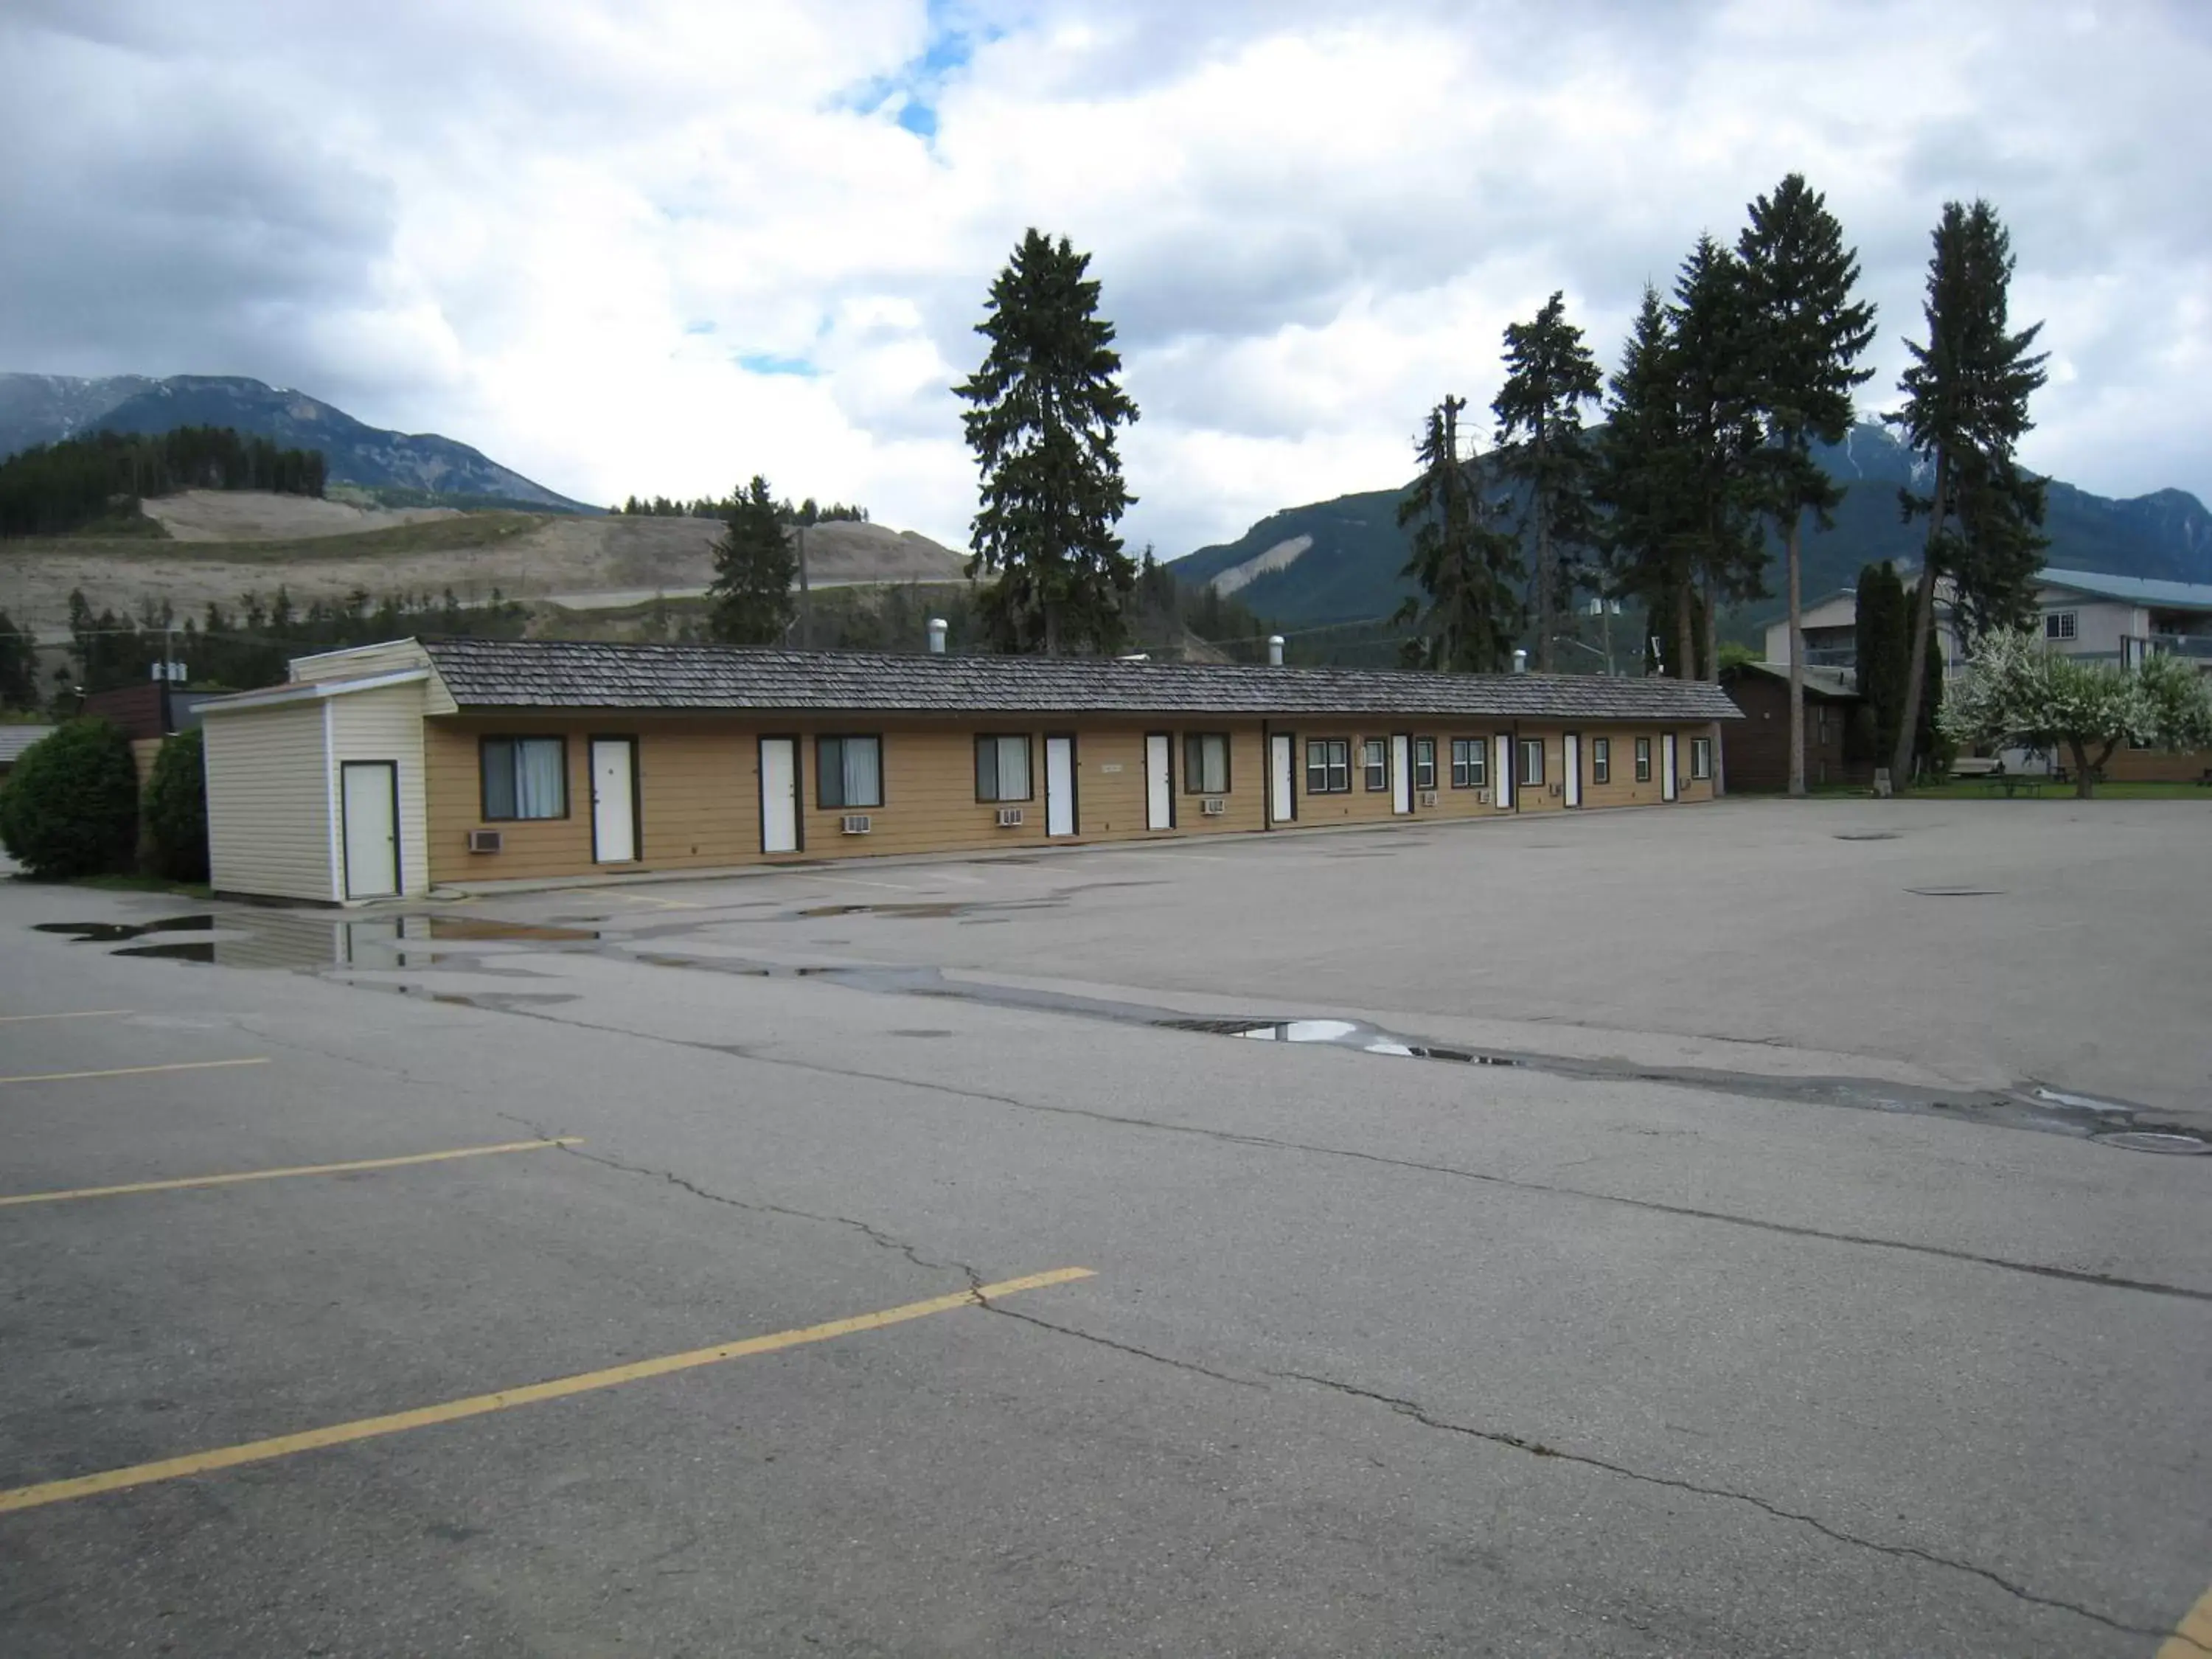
524 778
1206 763
1470 763
1328 766
1374 761
1600 760
1644 759
1002 767
1425 763
1532 760
848 772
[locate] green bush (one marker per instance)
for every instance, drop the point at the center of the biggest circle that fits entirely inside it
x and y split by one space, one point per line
176 810
70 807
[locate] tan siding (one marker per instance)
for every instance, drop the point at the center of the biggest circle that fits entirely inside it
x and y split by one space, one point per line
269 803
387 724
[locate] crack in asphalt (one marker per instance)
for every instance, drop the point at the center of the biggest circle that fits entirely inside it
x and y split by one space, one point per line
1127 1348
1415 1411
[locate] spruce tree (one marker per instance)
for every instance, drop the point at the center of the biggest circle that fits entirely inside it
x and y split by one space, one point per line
1550 375
1965 409
750 602
1046 403
1712 472
1646 553
1469 569
1880 623
1806 335
19 666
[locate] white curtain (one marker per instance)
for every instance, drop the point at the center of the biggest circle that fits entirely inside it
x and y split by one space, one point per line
538 778
864 772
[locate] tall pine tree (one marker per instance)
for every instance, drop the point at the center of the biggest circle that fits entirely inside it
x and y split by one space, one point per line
1647 554
1713 470
1046 403
1550 375
1965 409
750 601
1807 334
1468 569
1879 635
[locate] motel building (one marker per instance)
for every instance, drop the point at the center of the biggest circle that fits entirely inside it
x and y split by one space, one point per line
386 771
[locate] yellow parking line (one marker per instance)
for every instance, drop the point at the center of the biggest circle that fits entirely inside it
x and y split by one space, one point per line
258 1451
297 1170
134 1070
81 1014
2192 1637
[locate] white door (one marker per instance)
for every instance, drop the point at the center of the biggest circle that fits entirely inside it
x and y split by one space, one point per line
1667 767
1159 784
614 801
778 778
1282 804
1570 767
368 793
1401 774
1060 785
1501 768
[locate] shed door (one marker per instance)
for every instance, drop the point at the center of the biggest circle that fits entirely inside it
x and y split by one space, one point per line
1282 802
1401 772
369 794
614 800
1667 767
778 785
1570 767
1159 784
1060 785
1501 768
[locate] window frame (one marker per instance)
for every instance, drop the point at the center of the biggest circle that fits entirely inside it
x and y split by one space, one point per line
484 740
1028 740
1644 759
1370 749
1470 764
1194 777
1600 760
1335 766
1424 759
2061 627
1526 748
1701 759
821 801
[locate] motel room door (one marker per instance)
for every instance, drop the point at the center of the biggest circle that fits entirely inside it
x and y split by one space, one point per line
1667 767
368 796
1059 786
1159 783
1401 774
1282 800
614 800
778 785
1570 767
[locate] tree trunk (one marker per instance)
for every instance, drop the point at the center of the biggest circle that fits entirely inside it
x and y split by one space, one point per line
1685 639
1712 631
1924 618
2082 787
1797 664
1546 583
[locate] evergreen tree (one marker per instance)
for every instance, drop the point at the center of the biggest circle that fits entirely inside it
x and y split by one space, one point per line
1807 334
19 677
750 602
1880 623
1965 409
1712 471
1469 569
1550 375
1046 403
1647 552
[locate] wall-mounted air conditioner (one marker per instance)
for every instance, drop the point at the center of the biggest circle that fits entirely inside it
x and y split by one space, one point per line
486 840
1428 797
855 823
1553 790
1482 797
1010 817
1213 807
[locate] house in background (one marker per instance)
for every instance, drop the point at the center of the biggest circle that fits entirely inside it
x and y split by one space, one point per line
14 740
1757 747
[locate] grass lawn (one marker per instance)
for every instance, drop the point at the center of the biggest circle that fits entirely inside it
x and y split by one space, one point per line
1977 789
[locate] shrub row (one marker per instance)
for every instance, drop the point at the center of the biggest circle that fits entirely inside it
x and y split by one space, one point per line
72 806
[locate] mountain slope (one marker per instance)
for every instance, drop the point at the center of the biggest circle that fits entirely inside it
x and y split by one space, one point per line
42 408
1349 567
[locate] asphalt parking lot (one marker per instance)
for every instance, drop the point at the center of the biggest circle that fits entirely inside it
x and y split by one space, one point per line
1696 1232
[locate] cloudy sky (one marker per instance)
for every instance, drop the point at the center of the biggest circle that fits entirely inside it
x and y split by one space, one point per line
658 244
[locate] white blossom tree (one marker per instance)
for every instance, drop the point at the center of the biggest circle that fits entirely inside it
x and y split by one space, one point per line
2018 692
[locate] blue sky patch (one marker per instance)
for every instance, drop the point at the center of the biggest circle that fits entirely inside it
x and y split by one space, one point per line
769 362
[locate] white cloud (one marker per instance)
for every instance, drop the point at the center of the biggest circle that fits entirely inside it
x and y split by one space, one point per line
560 230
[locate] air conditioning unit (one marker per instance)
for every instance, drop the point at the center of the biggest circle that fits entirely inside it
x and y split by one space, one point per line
855 823
1553 790
1428 797
1010 817
486 841
1482 797
1213 806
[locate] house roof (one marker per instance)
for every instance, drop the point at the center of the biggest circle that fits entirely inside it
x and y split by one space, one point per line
572 674
2133 590
14 740
1833 682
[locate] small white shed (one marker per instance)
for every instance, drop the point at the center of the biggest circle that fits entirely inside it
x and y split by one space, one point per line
315 788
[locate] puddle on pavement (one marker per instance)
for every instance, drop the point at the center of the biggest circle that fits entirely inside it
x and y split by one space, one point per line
1957 892
928 910
108 933
312 940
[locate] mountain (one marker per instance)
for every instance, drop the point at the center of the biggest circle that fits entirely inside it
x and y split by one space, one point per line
1339 560
37 409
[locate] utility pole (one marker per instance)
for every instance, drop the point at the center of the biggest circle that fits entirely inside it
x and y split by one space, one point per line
806 595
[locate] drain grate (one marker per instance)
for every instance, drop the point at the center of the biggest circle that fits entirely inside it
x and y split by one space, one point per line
2153 1141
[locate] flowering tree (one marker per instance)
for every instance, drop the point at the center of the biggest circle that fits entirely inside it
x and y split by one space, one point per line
2017 691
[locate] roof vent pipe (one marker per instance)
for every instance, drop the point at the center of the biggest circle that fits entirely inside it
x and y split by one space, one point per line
1520 660
937 636
1274 650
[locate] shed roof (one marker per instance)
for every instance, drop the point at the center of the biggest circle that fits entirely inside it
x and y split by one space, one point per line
573 674
14 740
1819 682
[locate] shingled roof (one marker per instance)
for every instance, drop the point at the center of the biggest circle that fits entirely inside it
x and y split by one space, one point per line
572 674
